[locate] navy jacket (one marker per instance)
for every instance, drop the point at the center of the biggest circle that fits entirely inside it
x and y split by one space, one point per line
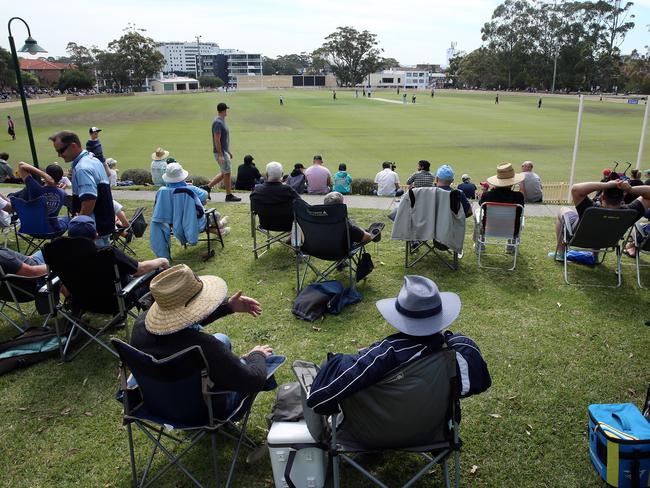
345 374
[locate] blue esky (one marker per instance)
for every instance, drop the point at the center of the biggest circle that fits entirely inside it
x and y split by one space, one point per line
416 31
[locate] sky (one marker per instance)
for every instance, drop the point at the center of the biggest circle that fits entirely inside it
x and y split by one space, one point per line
418 31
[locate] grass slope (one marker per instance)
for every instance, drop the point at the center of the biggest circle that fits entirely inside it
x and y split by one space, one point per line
552 350
466 129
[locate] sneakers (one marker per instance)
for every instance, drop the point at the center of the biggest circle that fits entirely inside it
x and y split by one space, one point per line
206 188
224 222
558 256
232 198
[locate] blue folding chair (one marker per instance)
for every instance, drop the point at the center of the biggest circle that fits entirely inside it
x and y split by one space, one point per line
174 394
35 228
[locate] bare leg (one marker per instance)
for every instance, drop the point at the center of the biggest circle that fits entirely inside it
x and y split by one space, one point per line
559 228
227 182
216 180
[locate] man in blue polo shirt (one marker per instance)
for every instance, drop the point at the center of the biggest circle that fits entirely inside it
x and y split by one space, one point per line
91 191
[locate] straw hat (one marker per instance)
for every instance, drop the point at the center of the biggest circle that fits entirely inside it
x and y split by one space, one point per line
420 309
182 299
505 176
160 154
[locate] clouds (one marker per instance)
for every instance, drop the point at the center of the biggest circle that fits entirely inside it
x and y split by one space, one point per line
417 31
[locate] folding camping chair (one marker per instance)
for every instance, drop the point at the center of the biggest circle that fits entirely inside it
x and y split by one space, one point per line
172 205
641 242
122 237
174 394
35 228
326 236
275 224
92 278
16 291
600 230
419 245
498 224
414 409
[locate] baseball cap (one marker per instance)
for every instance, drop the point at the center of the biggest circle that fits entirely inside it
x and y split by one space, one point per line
82 226
94 129
607 172
445 172
464 177
248 158
298 166
221 107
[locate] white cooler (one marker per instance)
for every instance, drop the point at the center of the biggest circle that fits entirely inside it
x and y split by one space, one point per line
310 463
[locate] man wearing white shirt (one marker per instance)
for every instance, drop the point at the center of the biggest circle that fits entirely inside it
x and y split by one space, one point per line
387 182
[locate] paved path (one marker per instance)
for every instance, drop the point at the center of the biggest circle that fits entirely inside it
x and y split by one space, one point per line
352 201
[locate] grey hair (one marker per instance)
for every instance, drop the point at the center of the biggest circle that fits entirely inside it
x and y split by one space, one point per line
332 198
274 171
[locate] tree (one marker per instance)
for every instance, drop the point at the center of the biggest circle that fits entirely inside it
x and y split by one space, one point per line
289 64
82 57
75 78
111 70
351 54
30 79
209 81
7 73
136 58
478 69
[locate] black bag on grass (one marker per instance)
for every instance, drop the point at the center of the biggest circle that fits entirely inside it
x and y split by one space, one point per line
32 346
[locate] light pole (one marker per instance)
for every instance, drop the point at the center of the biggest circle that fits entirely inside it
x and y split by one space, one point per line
30 47
554 71
198 55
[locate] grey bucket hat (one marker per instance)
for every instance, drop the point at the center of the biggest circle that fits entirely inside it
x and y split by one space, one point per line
420 309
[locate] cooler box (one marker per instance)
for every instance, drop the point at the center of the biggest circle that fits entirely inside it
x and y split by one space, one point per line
619 444
309 464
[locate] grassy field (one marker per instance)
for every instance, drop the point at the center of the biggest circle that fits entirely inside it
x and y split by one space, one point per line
552 350
465 129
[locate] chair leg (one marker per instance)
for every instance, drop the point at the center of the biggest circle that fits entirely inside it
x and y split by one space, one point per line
215 458
134 471
235 454
637 260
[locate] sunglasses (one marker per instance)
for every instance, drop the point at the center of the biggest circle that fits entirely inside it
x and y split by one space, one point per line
63 149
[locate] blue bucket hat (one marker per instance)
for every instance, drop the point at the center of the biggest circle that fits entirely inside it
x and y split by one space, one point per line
445 172
82 226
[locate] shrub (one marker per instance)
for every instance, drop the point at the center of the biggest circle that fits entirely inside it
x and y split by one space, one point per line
362 186
137 176
198 180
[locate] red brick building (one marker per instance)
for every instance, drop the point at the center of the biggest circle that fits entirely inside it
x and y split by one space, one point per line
47 72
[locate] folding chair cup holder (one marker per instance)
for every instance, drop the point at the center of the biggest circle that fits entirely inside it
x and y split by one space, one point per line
171 403
417 407
499 225
325 236
600 230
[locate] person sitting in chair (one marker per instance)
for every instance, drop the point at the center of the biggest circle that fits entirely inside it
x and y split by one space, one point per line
84 226
420 313
54 195
13 262
357 234
612 195
183 303
444 179
273 191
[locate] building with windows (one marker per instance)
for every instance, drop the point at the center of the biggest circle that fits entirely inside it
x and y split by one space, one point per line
207 58
409 78
174 84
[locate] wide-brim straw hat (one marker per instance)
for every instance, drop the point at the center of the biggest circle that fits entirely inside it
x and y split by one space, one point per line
159 154
505 176
182 299
420 309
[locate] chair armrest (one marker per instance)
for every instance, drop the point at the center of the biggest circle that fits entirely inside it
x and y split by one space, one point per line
26 278
135 283
54 281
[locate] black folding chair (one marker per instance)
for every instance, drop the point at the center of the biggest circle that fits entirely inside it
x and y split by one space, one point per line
93 281
275 224
600 230
326 236
122 237
414 409
641 242
174 394
35 228
17 291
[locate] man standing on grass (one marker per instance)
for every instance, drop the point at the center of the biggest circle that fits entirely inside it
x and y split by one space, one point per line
11 128
222 154
91 191
94 145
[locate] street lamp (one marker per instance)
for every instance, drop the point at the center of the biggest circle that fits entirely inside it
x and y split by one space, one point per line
30 47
